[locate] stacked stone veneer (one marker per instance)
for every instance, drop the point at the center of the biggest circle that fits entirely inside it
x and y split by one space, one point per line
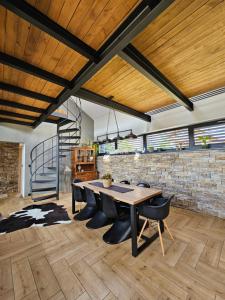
196 178
9 156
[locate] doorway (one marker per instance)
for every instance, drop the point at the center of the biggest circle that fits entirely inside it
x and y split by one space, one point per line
11 169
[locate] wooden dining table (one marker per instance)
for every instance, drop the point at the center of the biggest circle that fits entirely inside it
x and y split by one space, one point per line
134 197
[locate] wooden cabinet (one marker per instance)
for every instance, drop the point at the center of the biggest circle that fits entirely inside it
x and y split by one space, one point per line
83 160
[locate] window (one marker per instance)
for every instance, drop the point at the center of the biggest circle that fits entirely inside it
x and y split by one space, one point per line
130 145
168 140
107 148
213 134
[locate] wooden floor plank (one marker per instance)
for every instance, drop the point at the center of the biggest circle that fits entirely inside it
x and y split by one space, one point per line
89 279
46 282
6 281
69 261
68 282
23 279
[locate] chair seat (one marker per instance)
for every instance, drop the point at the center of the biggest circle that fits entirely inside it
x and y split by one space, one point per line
86 213
99 220
118 233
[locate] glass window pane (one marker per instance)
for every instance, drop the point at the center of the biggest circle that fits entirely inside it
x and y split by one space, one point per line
130 145
168 140
214 134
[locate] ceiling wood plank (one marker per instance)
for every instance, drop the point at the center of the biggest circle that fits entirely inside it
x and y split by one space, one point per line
143 15
17 115
132 56
33 70
21 106
100 100
35 17
7 120
17 90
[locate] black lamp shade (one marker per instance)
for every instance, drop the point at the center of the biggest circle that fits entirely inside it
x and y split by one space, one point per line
131 135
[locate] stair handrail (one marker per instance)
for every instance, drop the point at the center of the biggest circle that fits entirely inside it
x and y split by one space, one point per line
54 136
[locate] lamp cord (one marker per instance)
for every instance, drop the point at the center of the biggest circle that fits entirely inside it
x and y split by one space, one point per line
108 123
116 122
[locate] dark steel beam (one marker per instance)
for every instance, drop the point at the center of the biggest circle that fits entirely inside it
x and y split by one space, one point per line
142 16
33 70
18 90
21 106
100 100
5 120
38 19
17 115
131 55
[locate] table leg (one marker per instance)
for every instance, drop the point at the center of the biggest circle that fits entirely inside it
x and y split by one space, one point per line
73 202
133 221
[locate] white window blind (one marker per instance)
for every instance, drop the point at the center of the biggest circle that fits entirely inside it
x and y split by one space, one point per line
130 145
215 134
168 140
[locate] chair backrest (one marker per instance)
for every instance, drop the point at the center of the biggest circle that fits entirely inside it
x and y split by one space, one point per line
143 184
125 181
108 206
158 209
90 197
77 191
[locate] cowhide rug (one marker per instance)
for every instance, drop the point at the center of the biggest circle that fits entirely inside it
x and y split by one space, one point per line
35 215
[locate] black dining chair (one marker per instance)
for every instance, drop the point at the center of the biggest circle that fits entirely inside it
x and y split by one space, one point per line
158 210
100 219
121 228
77 195
125 181
143 184
90 208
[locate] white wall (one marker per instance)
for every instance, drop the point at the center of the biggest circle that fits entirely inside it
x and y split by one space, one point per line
124 121
29 138
204 110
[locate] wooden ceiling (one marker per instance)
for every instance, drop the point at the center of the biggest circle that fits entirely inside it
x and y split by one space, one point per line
185 43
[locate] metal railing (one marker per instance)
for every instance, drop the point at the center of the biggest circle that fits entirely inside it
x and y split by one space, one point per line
46 154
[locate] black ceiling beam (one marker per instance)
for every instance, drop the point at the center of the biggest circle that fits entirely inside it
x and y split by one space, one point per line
131 55
27 93
21 106
142 16
17 115
103 101
38 19
6 120
33 70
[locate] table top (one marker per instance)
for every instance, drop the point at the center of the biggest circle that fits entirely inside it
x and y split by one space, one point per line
138 195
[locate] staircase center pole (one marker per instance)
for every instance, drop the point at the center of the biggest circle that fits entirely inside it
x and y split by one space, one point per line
57 163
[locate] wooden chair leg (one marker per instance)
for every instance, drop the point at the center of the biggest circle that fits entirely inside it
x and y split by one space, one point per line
167 228
79 208
142 229
160 237
149 226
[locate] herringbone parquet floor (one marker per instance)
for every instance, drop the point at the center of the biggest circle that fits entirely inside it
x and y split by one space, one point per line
71 262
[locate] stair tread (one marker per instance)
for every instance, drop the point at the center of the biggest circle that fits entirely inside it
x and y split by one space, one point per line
44 197
69 144
69 130
47 173
65 150
43 180
69 137
44 189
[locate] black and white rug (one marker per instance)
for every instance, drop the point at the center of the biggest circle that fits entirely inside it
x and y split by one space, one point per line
35 215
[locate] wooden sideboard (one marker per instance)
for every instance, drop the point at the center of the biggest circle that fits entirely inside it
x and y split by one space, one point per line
83 163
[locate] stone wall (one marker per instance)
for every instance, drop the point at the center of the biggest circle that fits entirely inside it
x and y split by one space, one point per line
197 178
9 160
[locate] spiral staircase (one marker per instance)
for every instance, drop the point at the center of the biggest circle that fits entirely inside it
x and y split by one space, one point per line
47 157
